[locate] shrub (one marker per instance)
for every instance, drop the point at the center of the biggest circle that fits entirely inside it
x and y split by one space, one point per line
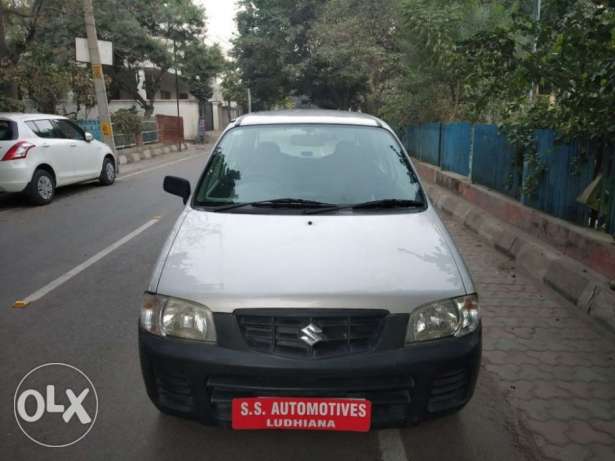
127 121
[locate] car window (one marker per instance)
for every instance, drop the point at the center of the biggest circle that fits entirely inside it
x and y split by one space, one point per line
8 130
69 130
338 164
44 129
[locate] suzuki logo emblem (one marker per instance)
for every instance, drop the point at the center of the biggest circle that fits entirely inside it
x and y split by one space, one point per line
312 334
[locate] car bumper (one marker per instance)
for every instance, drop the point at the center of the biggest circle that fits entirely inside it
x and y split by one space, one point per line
405 385
14 175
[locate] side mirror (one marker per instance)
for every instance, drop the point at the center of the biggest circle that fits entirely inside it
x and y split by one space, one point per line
177 186
88 137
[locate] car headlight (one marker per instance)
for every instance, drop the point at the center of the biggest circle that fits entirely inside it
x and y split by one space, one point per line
165 316
441 319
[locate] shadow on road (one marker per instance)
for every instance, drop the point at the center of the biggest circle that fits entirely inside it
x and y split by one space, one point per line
13 201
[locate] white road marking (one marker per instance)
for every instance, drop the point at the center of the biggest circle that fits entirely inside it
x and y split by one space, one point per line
84 265
391 446
157 167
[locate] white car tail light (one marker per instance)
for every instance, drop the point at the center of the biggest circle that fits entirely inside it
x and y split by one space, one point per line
19 150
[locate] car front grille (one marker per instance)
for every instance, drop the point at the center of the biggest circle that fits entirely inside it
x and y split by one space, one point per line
335 333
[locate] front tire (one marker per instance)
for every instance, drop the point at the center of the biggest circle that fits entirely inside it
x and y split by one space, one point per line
107 175
42 188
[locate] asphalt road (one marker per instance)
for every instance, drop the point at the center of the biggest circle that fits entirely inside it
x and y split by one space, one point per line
90 321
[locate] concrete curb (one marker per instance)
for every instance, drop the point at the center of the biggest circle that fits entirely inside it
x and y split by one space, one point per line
138 155
587 246
585 288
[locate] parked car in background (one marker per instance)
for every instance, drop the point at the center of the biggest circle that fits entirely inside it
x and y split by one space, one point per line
309 284
40 152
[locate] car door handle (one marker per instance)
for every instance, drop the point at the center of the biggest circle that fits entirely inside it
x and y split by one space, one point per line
45 145
73 145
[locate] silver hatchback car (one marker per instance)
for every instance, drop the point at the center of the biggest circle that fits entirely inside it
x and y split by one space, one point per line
309 284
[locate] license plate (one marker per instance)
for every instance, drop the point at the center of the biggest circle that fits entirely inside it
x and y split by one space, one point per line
304 414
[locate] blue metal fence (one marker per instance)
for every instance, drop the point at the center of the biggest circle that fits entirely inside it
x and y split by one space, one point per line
562 182
493 162
93 126
150 133
483 154
427 142
455 145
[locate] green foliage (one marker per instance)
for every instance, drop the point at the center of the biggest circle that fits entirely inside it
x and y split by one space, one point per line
127 121
396 58
151 30
199 64
44 79
272 48
558 73
353 54
569 57
425 60
37 48
233 88
434 68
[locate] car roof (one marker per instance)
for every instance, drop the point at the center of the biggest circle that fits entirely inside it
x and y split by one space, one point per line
19 116
308 116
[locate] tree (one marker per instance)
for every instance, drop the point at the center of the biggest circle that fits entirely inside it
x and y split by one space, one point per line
233 88
397 58
18 26
567 61
37 48
258 54
353 50
272 47
198 66
432 81
148 32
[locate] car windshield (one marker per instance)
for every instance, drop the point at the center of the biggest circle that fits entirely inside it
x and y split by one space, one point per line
332 164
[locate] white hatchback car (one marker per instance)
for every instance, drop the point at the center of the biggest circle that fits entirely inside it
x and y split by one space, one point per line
40 152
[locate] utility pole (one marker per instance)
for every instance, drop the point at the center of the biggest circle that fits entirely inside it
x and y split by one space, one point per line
99 78
179 135
249 100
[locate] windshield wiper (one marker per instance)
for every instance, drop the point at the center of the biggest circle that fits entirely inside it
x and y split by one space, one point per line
277 203
389 203
374 204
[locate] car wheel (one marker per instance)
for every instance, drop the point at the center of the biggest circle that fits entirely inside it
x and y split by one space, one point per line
107 175
42 188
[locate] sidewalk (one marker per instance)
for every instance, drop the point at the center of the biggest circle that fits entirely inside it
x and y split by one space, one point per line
171 156
553 364
576 262
136 154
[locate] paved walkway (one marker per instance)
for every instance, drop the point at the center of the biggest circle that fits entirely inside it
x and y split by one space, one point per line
556 368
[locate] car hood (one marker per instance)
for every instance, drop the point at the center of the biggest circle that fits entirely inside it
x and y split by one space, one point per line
232 260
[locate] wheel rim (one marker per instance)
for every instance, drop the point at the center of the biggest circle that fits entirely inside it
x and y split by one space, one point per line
45 187
110 171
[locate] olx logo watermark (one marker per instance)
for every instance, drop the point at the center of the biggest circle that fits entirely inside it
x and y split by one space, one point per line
55 405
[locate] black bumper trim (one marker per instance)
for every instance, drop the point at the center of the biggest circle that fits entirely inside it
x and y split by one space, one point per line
406 384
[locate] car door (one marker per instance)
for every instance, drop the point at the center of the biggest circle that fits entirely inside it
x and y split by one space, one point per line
53 149
84 155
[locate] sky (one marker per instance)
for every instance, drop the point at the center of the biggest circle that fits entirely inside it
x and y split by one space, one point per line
220 21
